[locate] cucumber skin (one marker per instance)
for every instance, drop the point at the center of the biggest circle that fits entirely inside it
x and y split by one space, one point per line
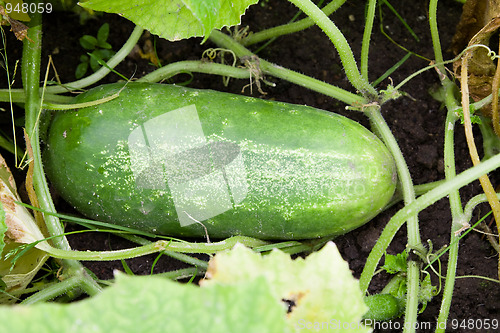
383 307
309 173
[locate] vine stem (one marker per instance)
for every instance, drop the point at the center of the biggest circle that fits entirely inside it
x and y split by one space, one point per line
289 28
340 43
104 70
414 242
158 246
57 289
416 206
50 94
455 205
225 41
450 172
187 66
30 67
365 45
31 77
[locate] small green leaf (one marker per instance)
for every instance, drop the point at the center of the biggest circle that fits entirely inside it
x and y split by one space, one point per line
88 42
81 70
103 33
104 45
94 61
99 57
395 264
176 19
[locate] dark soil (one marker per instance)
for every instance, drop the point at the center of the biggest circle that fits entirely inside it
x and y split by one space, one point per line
416 120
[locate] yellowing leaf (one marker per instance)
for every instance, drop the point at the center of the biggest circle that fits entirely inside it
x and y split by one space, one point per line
17 227
319 291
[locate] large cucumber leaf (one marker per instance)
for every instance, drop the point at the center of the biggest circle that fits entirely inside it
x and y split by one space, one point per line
176 19
320 292
244 292
154 304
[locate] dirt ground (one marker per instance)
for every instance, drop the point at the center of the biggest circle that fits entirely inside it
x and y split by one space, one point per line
417 121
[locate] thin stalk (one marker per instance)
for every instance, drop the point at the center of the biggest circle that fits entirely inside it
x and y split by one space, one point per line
5 143
422 188
419 190
289 28
400 18
53 291
472 204
436 43
450 172
158 246
391 70
19 96
365 45
200 264
182 273
412 293
344 50
415 207
104 70
31 77
80 280
403 172
187 66
176 255
408 192
266 67
455 205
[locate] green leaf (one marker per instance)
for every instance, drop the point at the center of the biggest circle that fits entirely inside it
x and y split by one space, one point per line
103 33
99 57
427 291
104 45
320 292
153 304
395 264
176 19
88 42
81 69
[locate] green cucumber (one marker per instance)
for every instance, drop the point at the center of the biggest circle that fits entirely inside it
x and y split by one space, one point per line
183 162
383 307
